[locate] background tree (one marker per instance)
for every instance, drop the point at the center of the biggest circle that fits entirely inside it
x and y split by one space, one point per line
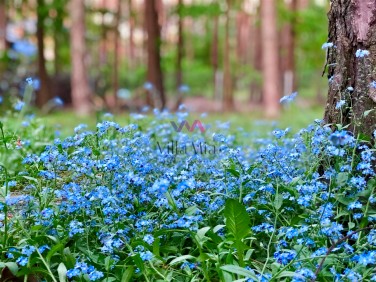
44 93
228 99
270 59
154 70
3 25
352 63
79 81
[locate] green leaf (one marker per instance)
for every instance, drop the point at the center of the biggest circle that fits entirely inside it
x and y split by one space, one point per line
239 271
278 201
290 274
342 178
13 267
180 259
62 271
127 275
53 251
233 172
237 219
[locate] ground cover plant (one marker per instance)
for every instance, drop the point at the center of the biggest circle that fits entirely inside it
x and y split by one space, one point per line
143 202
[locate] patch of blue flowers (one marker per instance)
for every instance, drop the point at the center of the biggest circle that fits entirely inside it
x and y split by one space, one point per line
106 204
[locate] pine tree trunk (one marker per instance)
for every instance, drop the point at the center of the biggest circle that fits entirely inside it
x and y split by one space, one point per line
228 101
180 54
115 74
154 57
79 81
3 25
44 93
270 59
214 55
352 27
288 49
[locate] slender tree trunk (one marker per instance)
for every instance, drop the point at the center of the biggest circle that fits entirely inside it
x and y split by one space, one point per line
131 58
154 57
115 75
257 55
3 25
214 55
270 58
80 87
288 51
228 101
44 93
352 27
180 54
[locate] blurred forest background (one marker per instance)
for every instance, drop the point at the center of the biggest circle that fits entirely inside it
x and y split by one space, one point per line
117 55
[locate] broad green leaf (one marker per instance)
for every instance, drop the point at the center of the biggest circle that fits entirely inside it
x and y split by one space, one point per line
237 219
62 271
180 259
239 271
13 267
127 275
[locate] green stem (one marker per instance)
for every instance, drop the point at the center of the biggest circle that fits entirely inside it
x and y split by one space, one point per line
45 263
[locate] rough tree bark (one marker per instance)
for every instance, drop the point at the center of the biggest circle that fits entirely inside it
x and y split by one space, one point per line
153 49
270 59
79 81
44 93
352 27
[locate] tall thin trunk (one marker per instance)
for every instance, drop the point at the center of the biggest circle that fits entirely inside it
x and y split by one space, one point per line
154 57
3 25
115 78
180 53
256 49
80 86
58 29
214 54
131 58
352 30
43 94
288 51
228 101
270 59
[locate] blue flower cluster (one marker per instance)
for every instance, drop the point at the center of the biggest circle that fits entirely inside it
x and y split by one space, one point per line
113 192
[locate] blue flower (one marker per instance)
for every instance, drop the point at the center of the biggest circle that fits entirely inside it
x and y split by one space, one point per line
24 47
18 106
148 86
22 260
340 104
327 45
1 100
148 238
289 98
361 53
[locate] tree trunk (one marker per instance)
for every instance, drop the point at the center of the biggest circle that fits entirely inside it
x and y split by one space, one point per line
352 27
131 58
154 57
228 101
180 54
256 56
214 55
270 58
288 49
3 26
115 74
43 94
79 81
